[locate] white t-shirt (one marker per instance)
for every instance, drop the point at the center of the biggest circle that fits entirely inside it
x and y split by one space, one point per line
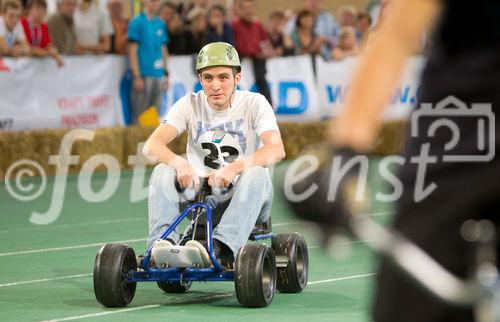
11 37
217 138
91 25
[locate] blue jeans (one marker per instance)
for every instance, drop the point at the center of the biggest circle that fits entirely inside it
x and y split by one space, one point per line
250 204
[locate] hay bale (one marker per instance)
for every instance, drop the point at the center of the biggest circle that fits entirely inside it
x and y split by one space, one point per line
391 138
299 136
47 143
106 140
17 146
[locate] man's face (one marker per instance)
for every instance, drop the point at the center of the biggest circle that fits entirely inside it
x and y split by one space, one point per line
152 5
67 8
218 84
247 10
11 17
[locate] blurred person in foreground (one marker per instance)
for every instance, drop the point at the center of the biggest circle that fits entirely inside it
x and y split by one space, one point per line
470 72
12 39
37 32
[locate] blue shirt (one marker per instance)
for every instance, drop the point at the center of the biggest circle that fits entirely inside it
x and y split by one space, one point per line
150 35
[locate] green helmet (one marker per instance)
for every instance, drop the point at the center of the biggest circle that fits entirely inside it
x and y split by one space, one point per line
217 54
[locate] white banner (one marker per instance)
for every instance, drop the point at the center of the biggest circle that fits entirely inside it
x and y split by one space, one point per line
333 80
84 93
34 93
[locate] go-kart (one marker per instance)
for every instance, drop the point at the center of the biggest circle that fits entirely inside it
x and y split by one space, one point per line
258 270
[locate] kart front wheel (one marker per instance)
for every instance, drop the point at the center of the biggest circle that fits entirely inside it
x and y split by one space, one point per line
255 275
112 263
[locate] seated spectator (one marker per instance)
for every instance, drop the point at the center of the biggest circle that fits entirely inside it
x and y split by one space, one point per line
197 34
93 29
12 39
281 44
325 26
304 40
348 16
120 26
37 33
363 26
347 45
61 27
218 28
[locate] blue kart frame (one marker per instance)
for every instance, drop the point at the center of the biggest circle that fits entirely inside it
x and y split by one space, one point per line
215 273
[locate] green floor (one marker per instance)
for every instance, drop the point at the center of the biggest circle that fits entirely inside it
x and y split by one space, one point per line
46 271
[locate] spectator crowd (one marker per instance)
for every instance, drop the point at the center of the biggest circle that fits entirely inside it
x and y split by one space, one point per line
161 28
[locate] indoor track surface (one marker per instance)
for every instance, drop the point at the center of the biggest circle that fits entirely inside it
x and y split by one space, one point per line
46 270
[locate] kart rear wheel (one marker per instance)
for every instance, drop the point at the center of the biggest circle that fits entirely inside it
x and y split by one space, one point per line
255 275
112 263
174 287
293 277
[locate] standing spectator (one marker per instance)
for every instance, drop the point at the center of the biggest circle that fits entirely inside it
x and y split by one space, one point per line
325 26
347 45
148 54
304 39
93 29
120 25
197 34
218 28
251 42
12 40
37 32
62 28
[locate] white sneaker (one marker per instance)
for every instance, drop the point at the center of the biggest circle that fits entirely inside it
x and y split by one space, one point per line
203 252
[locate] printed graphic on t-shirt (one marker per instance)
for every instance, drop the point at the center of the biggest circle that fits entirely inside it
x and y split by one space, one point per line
234 129
214 150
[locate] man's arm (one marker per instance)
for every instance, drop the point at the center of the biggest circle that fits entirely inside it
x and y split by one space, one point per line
379 70
270 153
156 150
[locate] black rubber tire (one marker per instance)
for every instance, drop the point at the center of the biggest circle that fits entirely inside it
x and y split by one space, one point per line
255 275
174 287
111 264
292 278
